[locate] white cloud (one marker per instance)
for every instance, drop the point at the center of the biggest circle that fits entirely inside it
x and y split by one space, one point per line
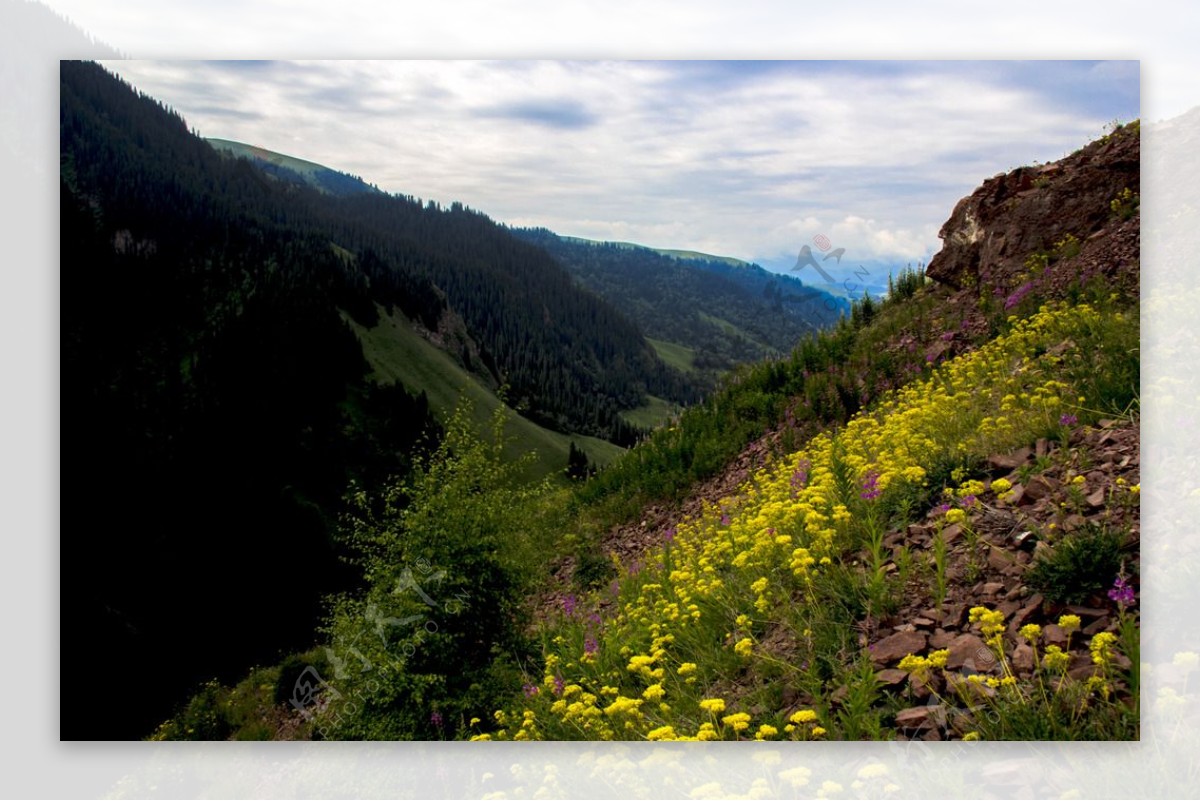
742 159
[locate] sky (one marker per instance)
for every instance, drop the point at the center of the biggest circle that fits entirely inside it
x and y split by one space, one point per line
1161 34
750 159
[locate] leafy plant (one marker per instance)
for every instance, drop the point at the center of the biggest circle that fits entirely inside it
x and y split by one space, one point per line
1080 565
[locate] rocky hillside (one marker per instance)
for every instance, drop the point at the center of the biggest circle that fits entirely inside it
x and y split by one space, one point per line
1007 556
931 533
992 233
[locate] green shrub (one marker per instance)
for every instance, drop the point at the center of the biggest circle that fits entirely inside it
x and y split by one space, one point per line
450 556
1078 566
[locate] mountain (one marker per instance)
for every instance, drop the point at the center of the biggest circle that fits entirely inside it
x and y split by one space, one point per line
293 170
235 352
705 314
891 533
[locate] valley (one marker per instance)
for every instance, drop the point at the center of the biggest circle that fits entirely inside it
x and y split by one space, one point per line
383 468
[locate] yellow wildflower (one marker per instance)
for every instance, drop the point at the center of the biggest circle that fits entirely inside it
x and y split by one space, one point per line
803 716
765 732
661 733
738 721
1056 659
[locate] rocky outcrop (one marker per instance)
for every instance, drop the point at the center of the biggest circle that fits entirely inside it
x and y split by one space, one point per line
994 230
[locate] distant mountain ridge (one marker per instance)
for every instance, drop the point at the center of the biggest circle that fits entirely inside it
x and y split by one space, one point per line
294 170
703 313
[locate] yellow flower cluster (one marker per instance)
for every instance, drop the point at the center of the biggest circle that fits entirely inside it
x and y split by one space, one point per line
920 666
991 621
740 561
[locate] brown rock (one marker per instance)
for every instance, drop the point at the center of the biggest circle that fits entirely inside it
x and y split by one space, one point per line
1007 462
1000 560
1022 658
1081 667
941 639
993 588
1032 607
951 533
1011 215
891 677
1074 522
922 622
1042 550
920 717
954 614
967 650
1054 635
1008 608
1039 487
897 646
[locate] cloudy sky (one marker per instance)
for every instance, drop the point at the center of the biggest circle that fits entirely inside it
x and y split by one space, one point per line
738 158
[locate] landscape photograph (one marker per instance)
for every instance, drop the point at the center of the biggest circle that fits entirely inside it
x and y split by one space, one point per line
600 400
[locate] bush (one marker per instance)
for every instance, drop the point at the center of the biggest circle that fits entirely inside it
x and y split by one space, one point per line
450 557
1080 565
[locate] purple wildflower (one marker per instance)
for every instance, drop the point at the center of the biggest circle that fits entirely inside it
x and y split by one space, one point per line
590 646
1121 592
943 508
1018 294
725 520
615 588
594 618
1068 420
436 719
670 535
870 486
558 685
968 501
530 690
800 477
569 605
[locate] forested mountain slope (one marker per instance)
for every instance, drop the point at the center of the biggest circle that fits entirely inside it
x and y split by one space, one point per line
216 392
722 312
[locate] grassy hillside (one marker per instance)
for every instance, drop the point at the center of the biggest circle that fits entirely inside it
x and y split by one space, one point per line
654 413
287 167
397 353
681 357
